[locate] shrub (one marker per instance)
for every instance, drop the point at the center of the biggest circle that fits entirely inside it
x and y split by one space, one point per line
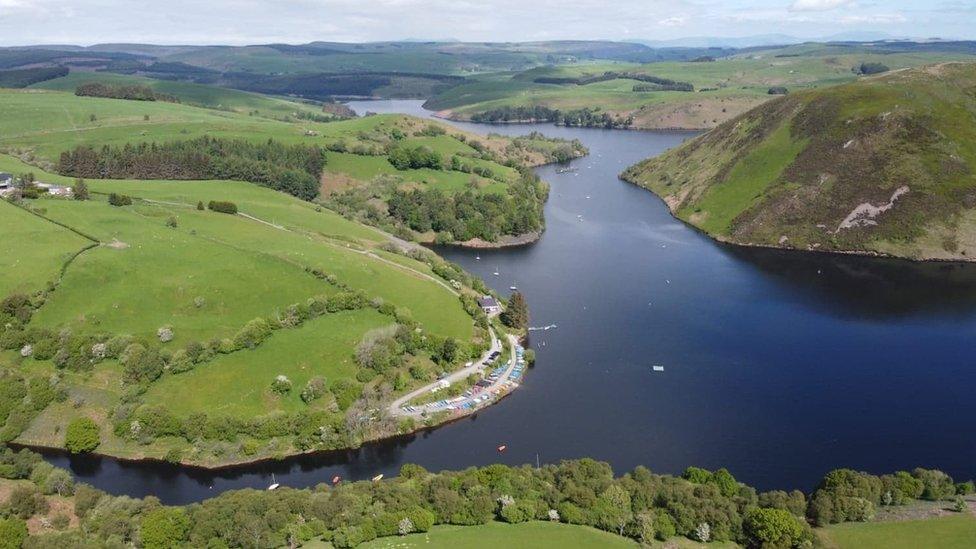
252 334
281 385
81 436
25 501
314 389
13 533
222 206
116 199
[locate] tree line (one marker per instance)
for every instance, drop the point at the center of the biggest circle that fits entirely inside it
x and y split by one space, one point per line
132 92
293 169
701 505
584 118
661 83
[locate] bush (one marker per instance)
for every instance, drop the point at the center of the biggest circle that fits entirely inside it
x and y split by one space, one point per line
81 436
13 533
116 199
314 389
222 206
281 385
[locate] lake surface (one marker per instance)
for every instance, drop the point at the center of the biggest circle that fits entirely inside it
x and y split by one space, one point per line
779 366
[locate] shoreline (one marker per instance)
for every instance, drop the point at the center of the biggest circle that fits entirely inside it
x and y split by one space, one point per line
823 251
451 117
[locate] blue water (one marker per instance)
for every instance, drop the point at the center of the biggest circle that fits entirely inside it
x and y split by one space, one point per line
779 366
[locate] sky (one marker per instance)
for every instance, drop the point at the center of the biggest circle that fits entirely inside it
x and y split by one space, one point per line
238 22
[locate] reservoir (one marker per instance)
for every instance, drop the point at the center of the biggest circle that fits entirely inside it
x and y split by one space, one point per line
779 366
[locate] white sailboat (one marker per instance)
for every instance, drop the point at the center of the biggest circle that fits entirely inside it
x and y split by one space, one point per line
274 484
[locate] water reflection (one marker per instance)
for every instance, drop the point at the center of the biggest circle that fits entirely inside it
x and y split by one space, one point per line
866 287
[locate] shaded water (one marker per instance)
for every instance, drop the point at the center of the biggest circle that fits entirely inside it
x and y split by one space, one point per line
779 366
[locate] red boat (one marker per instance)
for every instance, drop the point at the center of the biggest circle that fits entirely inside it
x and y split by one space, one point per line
336 479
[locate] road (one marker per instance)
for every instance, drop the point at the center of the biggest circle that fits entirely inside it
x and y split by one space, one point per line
396 408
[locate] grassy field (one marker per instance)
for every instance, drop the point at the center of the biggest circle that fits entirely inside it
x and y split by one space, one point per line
239 384
536 535
33 250
724 88
957 531
161 261
189 93
746 183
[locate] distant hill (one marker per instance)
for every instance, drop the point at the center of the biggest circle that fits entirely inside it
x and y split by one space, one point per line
881 165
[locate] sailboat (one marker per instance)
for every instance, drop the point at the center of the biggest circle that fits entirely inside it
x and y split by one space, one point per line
274 484
496 271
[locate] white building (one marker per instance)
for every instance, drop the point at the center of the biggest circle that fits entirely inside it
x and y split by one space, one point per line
489 305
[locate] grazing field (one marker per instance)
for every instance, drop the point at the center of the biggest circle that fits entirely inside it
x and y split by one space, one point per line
957 531
239 384
32 250
216 321
724 88
190 93
40 125
530 535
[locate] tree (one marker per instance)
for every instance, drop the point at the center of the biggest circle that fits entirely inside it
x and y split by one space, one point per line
59 482
80 190
613 510
726 482
13 533
516 315
81 436
200 205
765 526
165 528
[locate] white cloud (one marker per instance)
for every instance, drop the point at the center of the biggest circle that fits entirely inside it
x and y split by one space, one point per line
883 18
672 21
818 5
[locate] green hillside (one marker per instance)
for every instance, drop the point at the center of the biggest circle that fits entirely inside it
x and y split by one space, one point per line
881 165
210 334
480 174
189 93
723 88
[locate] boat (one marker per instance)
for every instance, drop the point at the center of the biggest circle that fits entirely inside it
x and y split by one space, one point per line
513 287
477 257
336 479
378 477
657 368
502 448
274 484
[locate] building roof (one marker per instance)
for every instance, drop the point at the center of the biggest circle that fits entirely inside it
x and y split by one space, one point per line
487 301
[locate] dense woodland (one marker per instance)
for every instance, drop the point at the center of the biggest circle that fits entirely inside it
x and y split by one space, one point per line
294 169
453 217
586 118
701 505
21 78
130 92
